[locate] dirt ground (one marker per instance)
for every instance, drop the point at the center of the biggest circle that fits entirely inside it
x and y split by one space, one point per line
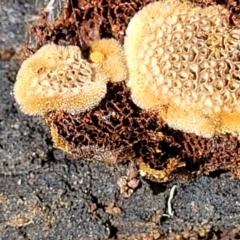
45 194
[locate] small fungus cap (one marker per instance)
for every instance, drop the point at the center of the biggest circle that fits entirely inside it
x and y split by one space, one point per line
58 78
110 55
186 57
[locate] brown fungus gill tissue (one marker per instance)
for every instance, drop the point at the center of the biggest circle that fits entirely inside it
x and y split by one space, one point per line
160 86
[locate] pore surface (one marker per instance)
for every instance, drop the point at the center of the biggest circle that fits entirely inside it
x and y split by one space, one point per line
185 59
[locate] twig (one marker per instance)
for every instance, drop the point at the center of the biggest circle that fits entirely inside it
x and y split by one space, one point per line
172 191
170 212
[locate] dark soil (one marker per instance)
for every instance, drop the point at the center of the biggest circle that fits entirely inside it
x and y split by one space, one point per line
45 194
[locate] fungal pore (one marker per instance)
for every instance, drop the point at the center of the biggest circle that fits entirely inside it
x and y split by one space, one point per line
186 58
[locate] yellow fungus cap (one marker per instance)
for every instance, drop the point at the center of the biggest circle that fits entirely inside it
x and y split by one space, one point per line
109 53
58 78
186 58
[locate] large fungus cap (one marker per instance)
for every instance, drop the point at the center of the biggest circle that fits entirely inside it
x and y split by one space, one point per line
57 77
186 58
110 55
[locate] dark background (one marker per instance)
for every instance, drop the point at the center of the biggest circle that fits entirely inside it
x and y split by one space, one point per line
45 194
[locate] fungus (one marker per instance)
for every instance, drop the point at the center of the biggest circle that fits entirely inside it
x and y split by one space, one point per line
186 58
110 55
57 77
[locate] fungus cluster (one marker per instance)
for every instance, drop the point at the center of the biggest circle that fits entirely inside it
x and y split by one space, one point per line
185 58
96 115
